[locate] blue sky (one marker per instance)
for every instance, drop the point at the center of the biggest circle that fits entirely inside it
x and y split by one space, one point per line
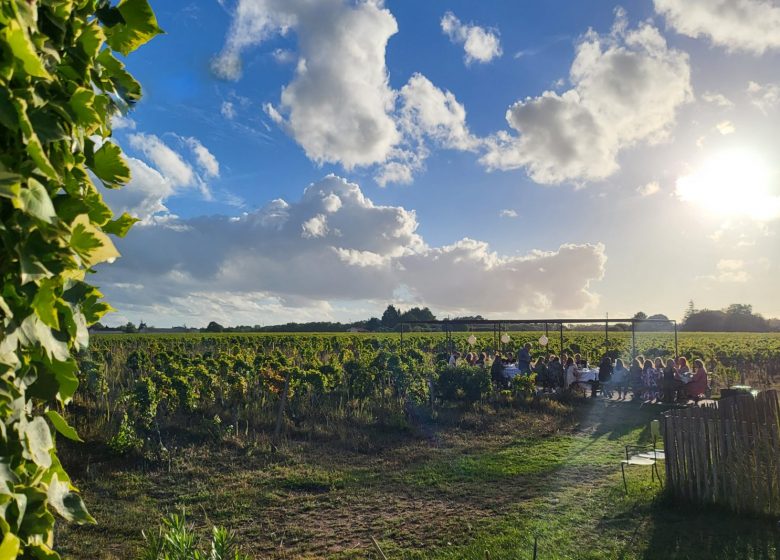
523 159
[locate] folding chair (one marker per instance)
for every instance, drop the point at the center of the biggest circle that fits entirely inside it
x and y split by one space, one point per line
645 455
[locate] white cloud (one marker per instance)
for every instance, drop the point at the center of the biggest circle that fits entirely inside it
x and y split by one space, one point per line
481 45
508 213
649 189
627 88
717 99
206 160
283 56
338 105
165 173
427 110
737 25
166 160
731 270
726 128
228 110
120 122
765 97
358 251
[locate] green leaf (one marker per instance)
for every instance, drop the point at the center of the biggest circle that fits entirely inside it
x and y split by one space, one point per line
67 503
23 50
10 185
34 331
9 548
61 425
91 244
91 39
44 303
37 437
108 165
121 225
81 103
139 26
36 202
33 143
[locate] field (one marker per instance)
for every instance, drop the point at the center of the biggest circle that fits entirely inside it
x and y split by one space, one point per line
186 422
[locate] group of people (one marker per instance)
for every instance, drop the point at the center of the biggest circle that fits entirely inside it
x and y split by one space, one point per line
646 379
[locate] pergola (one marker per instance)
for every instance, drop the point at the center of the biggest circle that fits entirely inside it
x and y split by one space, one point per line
498 327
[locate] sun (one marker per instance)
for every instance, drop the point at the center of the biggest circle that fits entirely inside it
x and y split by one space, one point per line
735 183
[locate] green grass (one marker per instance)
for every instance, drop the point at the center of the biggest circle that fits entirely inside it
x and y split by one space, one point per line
461 488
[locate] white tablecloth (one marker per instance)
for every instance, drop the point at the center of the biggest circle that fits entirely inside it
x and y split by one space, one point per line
588 375
511 371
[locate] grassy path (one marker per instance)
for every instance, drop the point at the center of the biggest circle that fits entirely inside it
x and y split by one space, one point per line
462 488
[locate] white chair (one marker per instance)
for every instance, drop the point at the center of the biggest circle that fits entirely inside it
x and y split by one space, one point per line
645 455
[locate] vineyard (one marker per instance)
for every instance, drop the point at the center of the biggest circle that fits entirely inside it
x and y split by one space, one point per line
134 386
187 423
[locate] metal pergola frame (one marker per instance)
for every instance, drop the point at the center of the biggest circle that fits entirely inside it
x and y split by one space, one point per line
497 326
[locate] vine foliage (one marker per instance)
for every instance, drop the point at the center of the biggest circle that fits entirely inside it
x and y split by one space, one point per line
60 84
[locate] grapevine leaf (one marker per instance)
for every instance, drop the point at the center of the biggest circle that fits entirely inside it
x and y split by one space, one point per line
121 225
62 426
109 166
44 304
81 103
33 331
139 26
91 244
35 201
67 503
37 436
10 185
24 50
33 143
9 548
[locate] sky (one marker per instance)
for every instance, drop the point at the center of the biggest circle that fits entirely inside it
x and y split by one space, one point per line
301 160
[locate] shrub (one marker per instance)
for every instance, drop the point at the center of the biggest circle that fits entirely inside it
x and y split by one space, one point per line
463 384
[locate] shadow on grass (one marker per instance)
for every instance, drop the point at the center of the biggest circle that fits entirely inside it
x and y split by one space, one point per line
680 533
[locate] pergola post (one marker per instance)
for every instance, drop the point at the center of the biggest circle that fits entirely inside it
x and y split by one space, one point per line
633 340
561 330
676 348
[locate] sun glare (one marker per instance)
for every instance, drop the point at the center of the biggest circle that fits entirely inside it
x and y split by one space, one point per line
735 183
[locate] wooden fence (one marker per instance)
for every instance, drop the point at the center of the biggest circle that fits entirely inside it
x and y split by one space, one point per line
727 453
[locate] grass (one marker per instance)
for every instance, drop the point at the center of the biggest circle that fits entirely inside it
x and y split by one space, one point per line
467 486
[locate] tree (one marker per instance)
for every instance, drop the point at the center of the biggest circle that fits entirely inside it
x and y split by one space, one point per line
640 316
129 328
60 84
373 324
213 326
390 317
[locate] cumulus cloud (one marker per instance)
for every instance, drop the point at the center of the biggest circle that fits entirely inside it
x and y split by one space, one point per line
627 86
317 250
169 162
726 128
508 213
766 97
717 99
737 25
481 45
649 189
339 105
163 173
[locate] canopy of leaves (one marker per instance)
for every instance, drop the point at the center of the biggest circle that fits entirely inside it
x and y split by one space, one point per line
60 85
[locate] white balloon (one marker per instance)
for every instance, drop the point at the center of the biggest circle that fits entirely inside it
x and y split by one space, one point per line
505 338
543 340
472 340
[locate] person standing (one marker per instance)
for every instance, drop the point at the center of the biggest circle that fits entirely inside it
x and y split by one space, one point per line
524 359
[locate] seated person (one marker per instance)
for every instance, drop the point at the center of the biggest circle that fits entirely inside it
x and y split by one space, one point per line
555 372
699 384
540 369
497 373
572 373
619 380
